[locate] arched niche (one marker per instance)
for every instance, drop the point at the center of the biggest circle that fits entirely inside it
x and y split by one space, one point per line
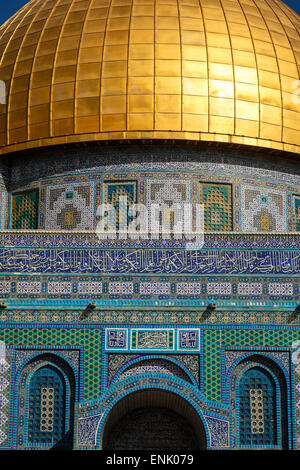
153 419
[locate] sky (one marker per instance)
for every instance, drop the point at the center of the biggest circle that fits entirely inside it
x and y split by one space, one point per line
8 8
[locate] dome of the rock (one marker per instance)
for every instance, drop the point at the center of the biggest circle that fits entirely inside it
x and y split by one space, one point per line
150 227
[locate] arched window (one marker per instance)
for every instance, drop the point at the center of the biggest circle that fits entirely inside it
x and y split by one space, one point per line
47 416
257 408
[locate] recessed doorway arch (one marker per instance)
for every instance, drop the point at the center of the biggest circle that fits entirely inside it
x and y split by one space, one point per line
153 419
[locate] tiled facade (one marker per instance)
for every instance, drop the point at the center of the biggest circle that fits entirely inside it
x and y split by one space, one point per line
152 325
143 114
238 195
296 212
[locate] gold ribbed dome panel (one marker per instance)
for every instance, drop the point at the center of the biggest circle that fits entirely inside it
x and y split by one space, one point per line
207 70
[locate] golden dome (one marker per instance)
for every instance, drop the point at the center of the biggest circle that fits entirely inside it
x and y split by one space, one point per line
206 70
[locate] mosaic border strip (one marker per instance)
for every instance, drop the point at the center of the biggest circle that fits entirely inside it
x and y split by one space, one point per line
235 240
159 316
142 289
205 261
226 175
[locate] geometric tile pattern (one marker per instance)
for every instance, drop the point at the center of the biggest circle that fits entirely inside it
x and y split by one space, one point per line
5 385
160 366
167 191
258 403
257 417
121 195
280 288
296 212
249 288
218 430
38 372
257 409
192 288
25 210
219 288
3 209
3 418
46 407
187 340
90 339
70 207
210 171
218 212
254 338
3 437
3 401
162 197
189 361
263 210
217 434
73 213
297 401
185 288
154 288
266 316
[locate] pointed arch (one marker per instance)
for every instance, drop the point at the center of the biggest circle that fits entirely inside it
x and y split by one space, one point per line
45 399
160 407
155 364
259 396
